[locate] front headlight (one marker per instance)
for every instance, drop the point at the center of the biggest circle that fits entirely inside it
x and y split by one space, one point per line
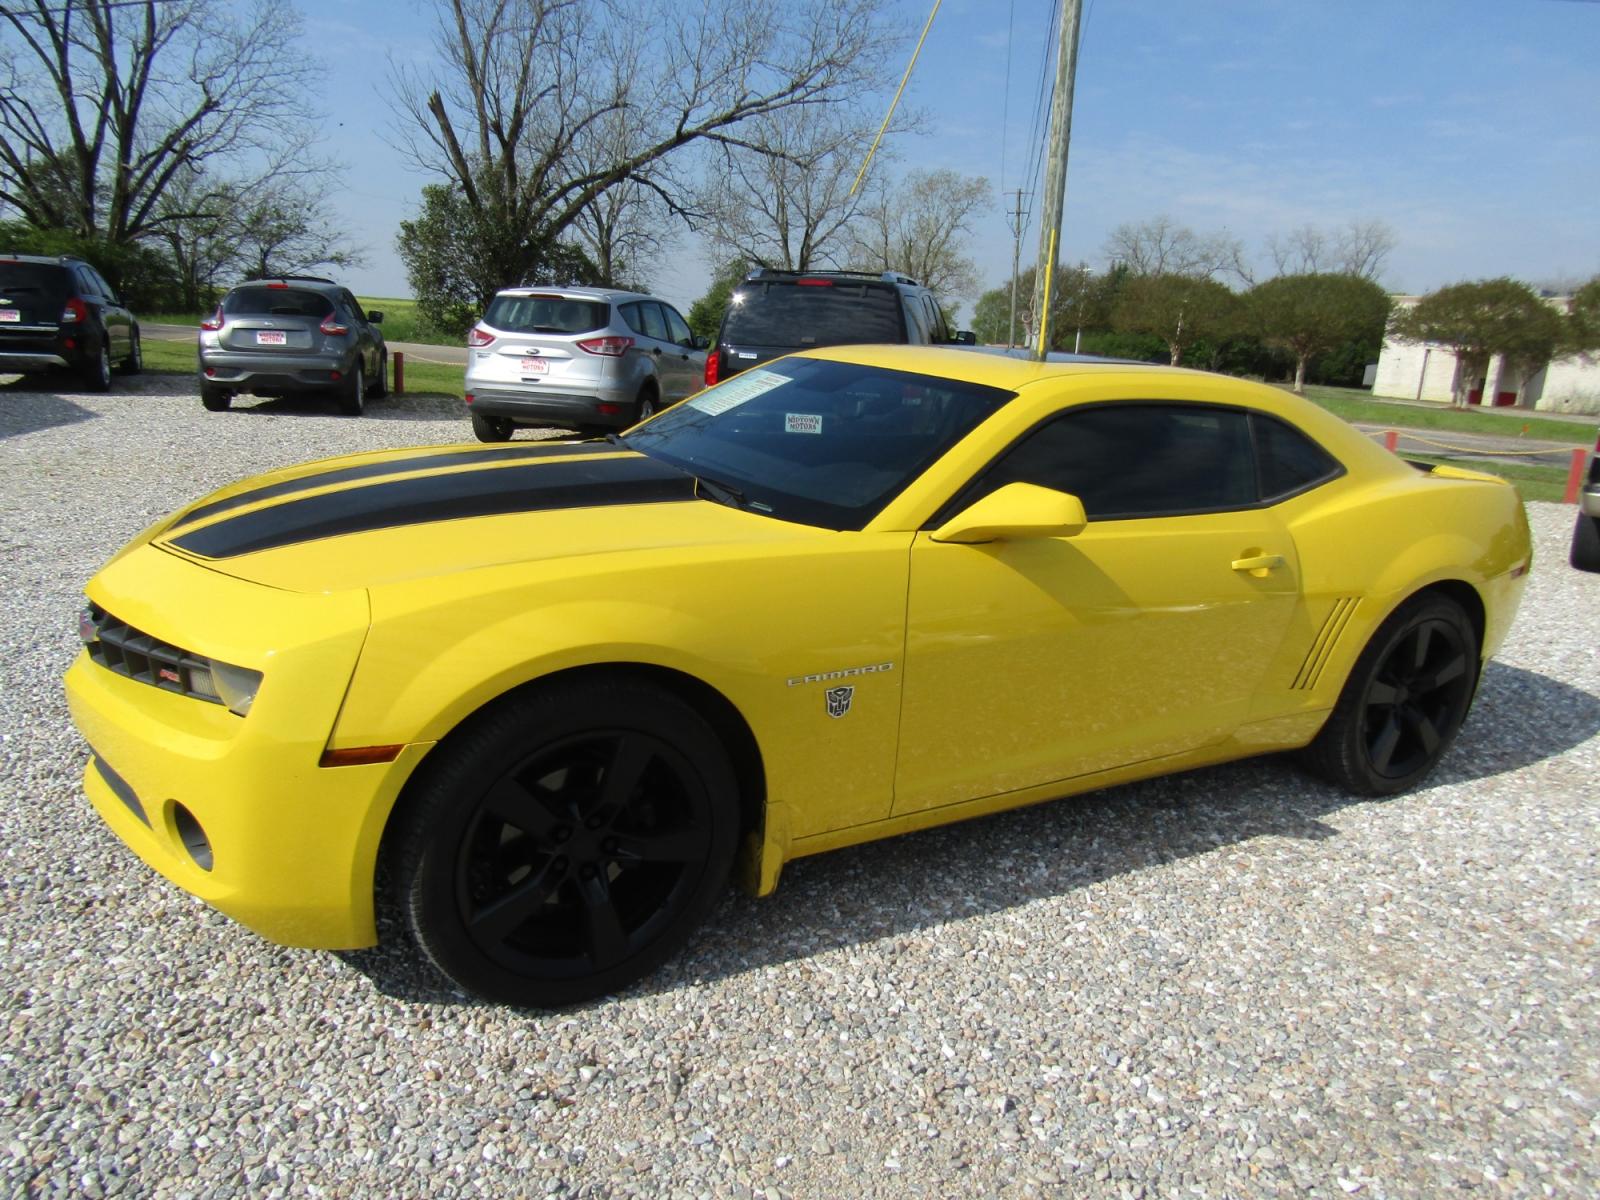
234 687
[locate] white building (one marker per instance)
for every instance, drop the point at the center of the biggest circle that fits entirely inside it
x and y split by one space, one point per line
1409 371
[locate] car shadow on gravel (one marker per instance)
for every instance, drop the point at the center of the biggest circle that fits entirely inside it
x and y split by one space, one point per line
412 406
992 864
28 410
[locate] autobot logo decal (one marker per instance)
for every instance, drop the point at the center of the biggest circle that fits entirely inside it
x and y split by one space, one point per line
848 672
839 700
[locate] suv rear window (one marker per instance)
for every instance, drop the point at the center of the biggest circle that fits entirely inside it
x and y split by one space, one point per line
806 315
270 301
546 314
33 278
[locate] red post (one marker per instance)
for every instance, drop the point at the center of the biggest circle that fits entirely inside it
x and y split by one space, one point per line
399 372
1391 440
1575 475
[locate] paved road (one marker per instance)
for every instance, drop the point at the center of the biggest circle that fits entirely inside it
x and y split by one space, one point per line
414 351
1442 443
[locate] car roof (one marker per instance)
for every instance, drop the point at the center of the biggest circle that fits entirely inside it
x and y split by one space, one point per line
576 292
311 283
44 260
992 365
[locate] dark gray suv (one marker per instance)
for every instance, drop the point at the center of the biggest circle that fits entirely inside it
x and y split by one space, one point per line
289 335
60 313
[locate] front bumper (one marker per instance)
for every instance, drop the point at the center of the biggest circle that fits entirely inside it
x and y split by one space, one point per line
289 846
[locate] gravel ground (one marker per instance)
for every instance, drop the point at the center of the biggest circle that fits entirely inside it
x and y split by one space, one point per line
1230 983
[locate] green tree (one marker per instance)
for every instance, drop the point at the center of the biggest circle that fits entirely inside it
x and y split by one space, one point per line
1480 320
453 257
705 314
1583 318
144 278
1079 299
1308 315
1178 309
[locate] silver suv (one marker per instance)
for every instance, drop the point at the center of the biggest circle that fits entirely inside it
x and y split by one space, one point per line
577 358
292 334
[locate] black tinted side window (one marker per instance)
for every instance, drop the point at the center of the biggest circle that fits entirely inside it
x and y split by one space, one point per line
86 282
1136 460
1289 461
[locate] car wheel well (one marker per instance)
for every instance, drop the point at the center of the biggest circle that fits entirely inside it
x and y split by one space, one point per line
1464 594
710 704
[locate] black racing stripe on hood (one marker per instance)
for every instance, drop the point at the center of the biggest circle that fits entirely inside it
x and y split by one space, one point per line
376 470
501 490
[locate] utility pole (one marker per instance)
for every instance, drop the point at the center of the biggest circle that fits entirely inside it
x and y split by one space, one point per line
1015 221
1055 174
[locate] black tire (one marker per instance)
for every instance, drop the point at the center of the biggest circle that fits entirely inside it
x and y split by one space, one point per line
214 398
97 371
1586 543
649 405
134 363
491 429
353 397
565 842
1404 701
379 388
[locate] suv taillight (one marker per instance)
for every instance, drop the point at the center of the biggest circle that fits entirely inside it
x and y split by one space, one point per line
331 325
611 347
75 311
214 322
479 336
713 365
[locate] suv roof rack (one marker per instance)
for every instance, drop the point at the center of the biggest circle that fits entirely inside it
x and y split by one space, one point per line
286 278
877 276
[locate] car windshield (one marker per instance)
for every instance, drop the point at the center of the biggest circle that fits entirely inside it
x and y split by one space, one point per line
817 442
825 313
276 301
546 314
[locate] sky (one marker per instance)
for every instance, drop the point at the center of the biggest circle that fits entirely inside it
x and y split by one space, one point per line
1470 127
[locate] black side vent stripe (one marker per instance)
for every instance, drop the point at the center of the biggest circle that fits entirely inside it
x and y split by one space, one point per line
502 490
398 466
1322 649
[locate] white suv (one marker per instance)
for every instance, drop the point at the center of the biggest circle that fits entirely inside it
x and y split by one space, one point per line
577 358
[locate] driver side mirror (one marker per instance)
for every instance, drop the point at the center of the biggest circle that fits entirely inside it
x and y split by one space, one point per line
700 341
375 318
1015 512
964 337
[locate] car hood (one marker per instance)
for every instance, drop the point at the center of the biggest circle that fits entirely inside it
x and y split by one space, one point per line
373 519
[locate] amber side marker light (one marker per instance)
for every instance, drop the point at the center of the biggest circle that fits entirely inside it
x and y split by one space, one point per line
359 756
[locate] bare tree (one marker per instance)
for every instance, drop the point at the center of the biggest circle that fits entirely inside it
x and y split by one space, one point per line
785 199
921 227
1160 246
1359 249
105 104
526 86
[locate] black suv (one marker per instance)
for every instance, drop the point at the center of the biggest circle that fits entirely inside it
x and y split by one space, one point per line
778 312
292 334
59 313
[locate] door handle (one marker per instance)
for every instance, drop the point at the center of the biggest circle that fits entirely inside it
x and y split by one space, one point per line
1258 563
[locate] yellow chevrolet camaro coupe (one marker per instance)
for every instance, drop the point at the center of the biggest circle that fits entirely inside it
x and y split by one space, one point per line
562 690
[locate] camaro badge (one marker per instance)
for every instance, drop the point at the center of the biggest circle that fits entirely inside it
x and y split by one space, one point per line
839 700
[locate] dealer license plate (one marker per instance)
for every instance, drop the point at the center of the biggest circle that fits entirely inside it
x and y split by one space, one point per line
270 337
9 316
535 366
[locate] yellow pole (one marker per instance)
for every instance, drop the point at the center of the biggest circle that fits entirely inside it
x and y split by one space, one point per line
1044 323
904 79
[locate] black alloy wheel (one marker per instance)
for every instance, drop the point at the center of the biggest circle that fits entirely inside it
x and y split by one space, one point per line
491 429
567 842
1405 700
1585 552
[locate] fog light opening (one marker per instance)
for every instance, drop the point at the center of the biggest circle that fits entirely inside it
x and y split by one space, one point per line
193 837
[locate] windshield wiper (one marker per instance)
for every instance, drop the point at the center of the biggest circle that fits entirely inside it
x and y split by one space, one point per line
723 493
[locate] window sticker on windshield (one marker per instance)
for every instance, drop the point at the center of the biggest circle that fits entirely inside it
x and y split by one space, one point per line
802 423
741 389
